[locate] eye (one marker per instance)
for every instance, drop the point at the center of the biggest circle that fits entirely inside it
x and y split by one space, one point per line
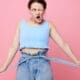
40 10
33 9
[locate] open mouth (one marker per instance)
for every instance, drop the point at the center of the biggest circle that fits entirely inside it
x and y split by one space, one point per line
38 17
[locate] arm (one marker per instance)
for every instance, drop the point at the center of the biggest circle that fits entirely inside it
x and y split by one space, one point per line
12 51
62 44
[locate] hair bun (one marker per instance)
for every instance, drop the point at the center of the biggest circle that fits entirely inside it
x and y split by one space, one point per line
37 0
43 2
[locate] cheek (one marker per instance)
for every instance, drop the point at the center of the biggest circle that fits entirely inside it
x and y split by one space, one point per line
42 13
32 13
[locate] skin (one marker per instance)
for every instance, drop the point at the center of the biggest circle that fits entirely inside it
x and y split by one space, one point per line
38 10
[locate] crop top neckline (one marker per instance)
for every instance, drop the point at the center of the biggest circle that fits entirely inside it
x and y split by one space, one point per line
34 26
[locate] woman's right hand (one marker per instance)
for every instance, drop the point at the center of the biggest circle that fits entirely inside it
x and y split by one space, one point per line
2 69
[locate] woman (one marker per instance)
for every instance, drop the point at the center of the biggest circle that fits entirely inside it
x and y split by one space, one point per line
32 39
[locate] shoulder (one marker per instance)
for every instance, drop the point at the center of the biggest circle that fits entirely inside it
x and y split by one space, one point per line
51 24
20 22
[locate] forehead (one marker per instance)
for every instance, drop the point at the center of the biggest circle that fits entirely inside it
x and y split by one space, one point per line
36 5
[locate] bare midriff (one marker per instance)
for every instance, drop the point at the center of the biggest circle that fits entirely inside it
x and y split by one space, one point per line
32 50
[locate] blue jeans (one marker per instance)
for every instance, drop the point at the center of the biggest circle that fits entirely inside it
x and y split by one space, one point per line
34 67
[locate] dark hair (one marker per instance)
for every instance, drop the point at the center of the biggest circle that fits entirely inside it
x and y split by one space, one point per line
43 2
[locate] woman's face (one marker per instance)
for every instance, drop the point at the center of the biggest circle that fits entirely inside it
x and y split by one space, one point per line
37 12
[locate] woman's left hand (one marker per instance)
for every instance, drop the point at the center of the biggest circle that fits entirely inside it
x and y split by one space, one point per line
78 63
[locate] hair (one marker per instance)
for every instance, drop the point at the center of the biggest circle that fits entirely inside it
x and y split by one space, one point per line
43 2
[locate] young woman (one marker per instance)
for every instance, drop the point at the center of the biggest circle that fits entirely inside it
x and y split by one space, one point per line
32 39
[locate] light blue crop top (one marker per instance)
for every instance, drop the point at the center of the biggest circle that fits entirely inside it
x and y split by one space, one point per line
34 36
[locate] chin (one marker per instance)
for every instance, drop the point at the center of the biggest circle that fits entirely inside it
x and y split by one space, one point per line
39 21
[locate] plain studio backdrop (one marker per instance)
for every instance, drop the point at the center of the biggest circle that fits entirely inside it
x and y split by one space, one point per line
65 14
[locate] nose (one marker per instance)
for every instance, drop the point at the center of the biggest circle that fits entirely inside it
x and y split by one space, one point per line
37 12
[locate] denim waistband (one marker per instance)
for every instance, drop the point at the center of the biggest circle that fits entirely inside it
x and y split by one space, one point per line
42 54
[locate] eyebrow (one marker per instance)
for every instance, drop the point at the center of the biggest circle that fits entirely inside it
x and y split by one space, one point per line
36 9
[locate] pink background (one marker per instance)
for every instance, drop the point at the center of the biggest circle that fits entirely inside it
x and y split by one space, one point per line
63 13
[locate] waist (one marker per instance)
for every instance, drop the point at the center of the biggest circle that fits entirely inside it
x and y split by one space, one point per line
42 55
32 51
